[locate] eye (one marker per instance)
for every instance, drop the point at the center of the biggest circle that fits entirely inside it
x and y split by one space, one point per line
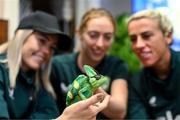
93 35
41 39
108 36
98 76
133 39
147 35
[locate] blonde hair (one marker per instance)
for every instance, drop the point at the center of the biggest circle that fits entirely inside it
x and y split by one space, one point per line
14 60
164 23
3 47
95 13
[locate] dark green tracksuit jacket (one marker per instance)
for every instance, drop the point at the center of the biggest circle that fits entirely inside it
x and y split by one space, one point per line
65 70
153 98
26 102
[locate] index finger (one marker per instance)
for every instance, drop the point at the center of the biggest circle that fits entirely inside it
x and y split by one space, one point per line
92 100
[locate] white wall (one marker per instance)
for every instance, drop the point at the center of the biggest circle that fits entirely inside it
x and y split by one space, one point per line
117 7
1 8
9 10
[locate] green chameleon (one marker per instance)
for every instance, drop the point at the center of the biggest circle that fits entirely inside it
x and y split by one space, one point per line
84 86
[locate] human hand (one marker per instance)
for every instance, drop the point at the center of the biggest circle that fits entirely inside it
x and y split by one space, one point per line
86 109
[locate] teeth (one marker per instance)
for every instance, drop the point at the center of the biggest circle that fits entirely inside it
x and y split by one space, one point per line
98 52
145 55
39 58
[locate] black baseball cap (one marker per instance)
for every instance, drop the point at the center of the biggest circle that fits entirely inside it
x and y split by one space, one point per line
44 22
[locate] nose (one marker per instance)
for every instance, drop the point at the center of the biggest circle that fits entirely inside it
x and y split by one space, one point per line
100 42
140 43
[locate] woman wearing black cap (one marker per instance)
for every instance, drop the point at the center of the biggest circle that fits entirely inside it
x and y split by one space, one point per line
25 90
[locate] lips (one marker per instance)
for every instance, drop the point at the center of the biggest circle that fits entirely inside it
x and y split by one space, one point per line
97 53
39 58
145 56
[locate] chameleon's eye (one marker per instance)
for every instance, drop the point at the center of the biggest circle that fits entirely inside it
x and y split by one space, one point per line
98 76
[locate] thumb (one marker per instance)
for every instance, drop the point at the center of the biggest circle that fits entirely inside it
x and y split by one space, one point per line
92 100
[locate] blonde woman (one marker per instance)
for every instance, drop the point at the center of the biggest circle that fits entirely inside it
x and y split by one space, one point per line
154 91
25 62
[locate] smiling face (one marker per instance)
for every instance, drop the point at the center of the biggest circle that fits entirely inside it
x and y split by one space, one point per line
148 42
37 49
97 38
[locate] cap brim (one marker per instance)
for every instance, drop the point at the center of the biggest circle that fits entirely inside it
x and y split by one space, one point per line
48 30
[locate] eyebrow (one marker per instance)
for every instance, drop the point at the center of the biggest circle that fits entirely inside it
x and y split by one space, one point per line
99 32
145 32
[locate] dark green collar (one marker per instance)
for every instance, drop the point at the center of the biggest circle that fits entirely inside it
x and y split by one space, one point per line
27 77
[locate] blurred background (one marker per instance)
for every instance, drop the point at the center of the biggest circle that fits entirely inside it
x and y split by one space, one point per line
69 13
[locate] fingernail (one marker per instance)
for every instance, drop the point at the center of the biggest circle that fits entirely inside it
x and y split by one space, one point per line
100 97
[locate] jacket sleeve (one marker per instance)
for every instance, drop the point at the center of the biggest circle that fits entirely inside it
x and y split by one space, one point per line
3 103
45 106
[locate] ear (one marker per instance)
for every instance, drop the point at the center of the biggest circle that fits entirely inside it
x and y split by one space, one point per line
169 38
89 71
